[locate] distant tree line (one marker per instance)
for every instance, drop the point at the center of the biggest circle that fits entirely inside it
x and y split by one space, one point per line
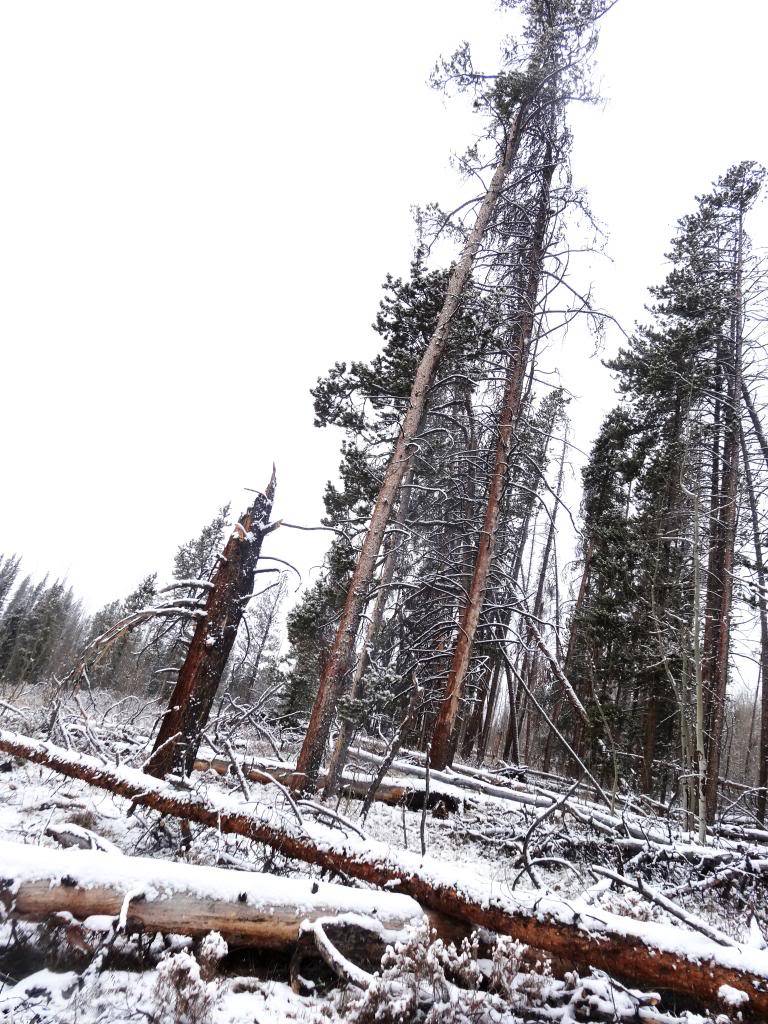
43 628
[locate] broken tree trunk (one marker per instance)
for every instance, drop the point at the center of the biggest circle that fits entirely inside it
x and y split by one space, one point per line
643 951
148 895
232 585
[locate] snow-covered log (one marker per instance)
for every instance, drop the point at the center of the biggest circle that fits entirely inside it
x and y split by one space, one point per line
645 952
247 909
391 792
630 830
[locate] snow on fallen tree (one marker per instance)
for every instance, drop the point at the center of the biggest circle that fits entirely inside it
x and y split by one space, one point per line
247 909
389 791
663 956
452 789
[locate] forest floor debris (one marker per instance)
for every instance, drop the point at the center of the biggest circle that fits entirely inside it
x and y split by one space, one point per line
481 845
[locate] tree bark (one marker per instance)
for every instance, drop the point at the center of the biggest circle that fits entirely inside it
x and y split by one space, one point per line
316 737
762 778
344 739
762 770
443 738
395 794
757 425
729 506
247 909
640 951
190 705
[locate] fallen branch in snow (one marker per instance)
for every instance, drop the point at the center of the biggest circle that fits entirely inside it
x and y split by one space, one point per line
664 956
671 908
313 937
149 895
391 793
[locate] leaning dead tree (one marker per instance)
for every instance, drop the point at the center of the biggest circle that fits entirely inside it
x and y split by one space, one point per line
524 104
342 650
228 594
444 735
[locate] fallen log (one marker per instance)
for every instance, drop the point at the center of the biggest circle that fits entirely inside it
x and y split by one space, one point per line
149 896
644 952
70 835
394 794
451 790
458 782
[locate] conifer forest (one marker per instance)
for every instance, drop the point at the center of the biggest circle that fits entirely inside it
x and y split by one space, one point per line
501 756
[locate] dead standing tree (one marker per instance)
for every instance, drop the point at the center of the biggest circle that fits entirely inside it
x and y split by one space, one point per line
444 735
214 636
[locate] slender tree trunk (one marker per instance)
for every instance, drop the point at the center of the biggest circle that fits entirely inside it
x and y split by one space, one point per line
701 760
503 625
190 705
472 731
512 742
762 777
443 740
538 602
758 427
729 506
489 710
313 748
714 560
344 739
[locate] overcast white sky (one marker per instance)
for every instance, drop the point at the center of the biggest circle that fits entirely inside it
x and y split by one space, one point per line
198 204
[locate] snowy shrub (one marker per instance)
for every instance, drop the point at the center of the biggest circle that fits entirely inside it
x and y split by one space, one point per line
212 951
423 981
513 983
181 993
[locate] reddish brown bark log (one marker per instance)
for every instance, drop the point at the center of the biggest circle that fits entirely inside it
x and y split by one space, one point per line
190 705
638 951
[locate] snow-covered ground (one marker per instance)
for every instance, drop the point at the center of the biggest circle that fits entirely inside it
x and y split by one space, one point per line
47 975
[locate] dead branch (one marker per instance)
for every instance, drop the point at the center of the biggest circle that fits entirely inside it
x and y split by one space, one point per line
642 951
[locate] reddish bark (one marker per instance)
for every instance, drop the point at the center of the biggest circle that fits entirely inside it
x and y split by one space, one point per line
344 739
611 947
728 509
199 678
342 649
443 737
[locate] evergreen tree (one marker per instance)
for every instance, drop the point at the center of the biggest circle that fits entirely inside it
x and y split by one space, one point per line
670 449
365 401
